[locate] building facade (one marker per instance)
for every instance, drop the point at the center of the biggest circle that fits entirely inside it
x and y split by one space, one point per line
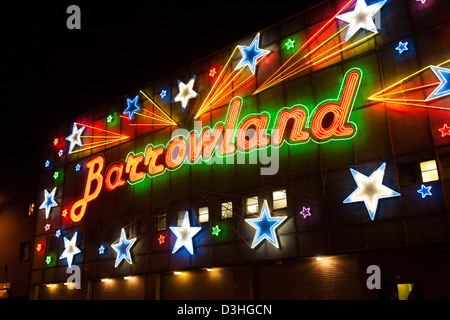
286 166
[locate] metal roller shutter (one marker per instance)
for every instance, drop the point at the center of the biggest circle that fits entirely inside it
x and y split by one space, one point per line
332 278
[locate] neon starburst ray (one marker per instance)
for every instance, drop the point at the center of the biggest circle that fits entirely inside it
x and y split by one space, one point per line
320 48
150 118
100 137
424 88
230 80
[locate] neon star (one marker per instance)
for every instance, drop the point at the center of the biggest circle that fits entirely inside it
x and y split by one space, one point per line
74 138
47 227
65 213
48 259
49 202
60 153
212 72
445 130
184 235
265 226
161 239
402 46
56 175
425 191
422 1
216 230
370 190
109 119
305 212
58 233
56 141
123 248
443 89
163 94
289 44
70 249
47 164
361 17
101 250
132 107
250 54
185 92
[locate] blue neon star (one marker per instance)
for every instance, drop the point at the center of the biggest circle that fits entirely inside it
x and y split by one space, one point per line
265 226
132 107
425 191
49 202
402 46
443 88
123 248
250 54
47 163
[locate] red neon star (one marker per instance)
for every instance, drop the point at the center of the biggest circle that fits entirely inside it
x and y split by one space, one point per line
161 239
445 130
64 213
212 72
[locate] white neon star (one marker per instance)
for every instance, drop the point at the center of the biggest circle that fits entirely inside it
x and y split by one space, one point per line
184 235
361 17
75 137
370 190
70 249
49 202
185 92
123 248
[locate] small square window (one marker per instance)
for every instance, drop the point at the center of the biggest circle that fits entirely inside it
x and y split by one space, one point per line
203 214
429 171
227 210
279 199
251 204
161 224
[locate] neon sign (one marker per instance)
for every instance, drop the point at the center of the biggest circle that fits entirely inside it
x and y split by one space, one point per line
226 138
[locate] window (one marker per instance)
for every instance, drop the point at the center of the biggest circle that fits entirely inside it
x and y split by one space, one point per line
203 214
180 217
161 223
251 204
24 254
408 174
227 210
429 171
279 199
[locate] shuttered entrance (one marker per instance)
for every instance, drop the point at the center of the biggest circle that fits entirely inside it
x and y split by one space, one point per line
335 277
198 284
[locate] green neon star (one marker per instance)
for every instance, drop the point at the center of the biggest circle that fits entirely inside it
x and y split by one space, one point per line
289 44
56 175
109 119
216 230
48 259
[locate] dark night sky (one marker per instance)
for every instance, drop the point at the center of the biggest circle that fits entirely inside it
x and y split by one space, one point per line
51 74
